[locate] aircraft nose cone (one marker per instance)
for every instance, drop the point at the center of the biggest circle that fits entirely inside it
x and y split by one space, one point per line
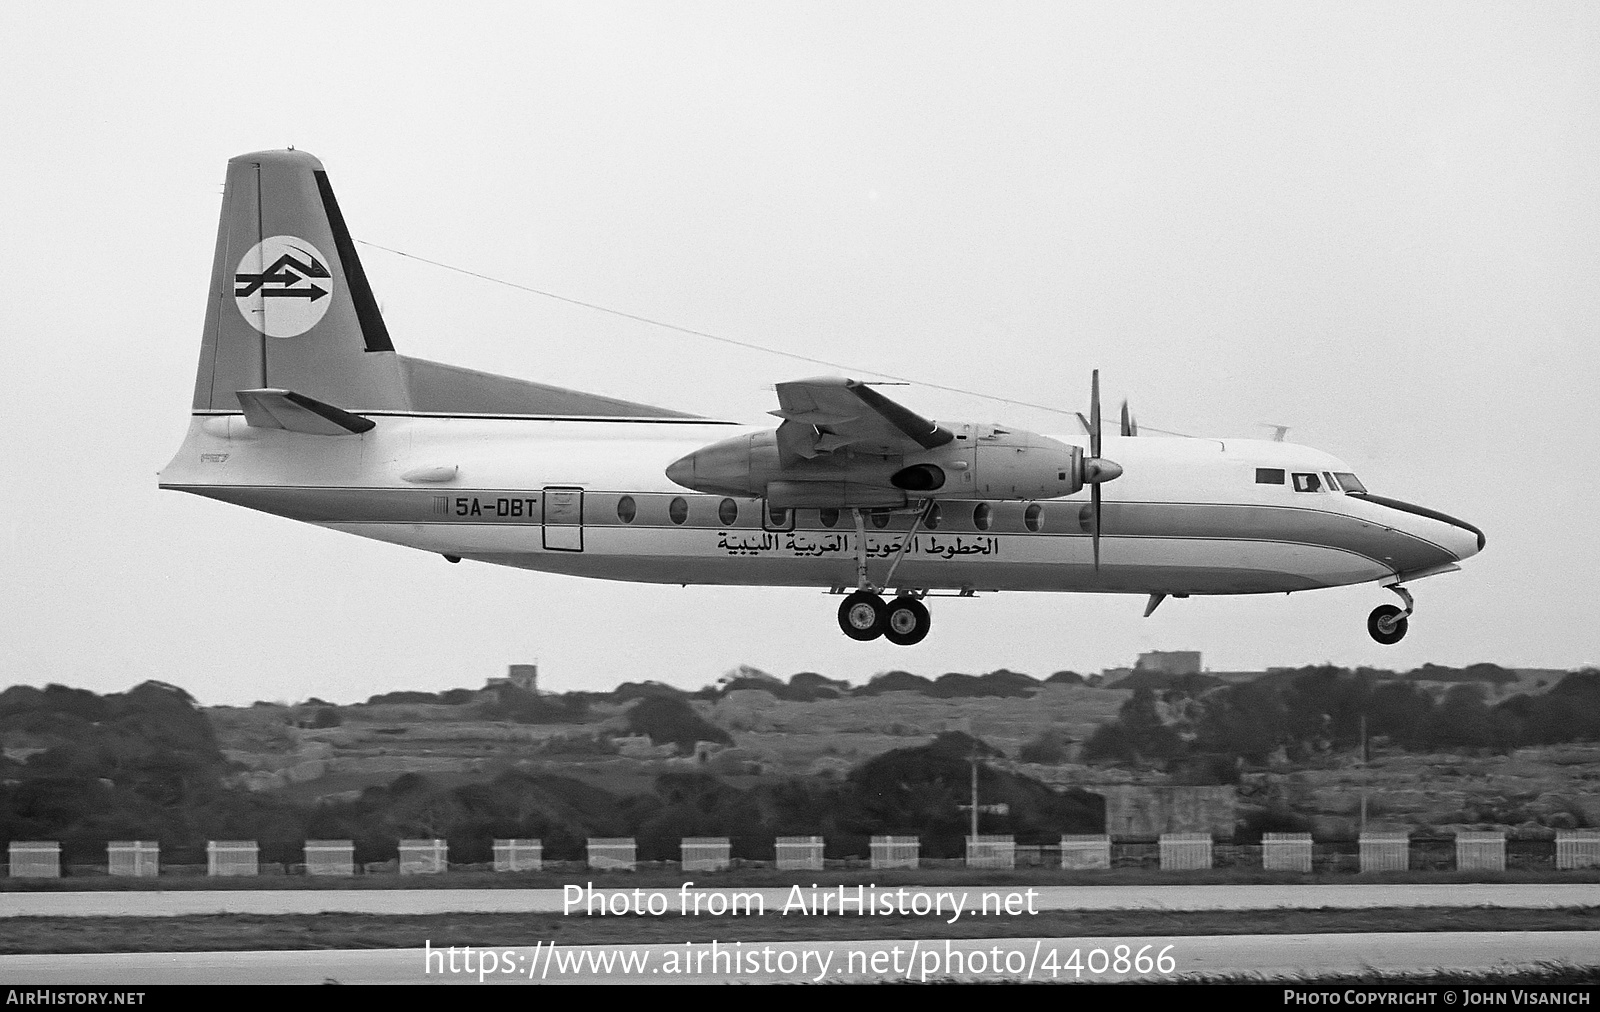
1468 540
1458 537
1463 540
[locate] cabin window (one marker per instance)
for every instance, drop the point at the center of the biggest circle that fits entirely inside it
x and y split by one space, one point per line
678 510
1269 476
982 516
829 516
1033 517
934 515
627 509
1349 482
777 516
880 520
728 512
1307 482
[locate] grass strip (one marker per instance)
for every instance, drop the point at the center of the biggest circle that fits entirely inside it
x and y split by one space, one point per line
240 933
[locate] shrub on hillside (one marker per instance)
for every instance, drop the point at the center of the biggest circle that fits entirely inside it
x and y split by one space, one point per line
922 790
1049 747
1491 673
628 691
894 681
1136 736
671 720
1001 683
403 696
818 686
511 703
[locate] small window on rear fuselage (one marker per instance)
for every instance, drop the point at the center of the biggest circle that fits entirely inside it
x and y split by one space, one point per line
1269 476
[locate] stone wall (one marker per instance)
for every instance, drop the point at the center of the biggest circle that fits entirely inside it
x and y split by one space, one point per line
1134 811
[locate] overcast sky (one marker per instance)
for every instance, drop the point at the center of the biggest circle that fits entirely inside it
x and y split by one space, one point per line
1376 223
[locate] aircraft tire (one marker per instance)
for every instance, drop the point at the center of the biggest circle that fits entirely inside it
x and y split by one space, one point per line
862 616
906 621
1387 613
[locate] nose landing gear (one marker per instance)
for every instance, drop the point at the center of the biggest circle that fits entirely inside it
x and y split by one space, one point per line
1387 624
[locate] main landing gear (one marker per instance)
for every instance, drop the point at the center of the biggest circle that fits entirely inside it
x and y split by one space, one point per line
1387 624
864 615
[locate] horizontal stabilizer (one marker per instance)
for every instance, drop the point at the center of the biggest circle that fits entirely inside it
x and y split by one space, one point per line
285 409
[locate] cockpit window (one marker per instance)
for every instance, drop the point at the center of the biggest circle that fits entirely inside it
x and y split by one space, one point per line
1349 482
1333 484
1307 482
1269 476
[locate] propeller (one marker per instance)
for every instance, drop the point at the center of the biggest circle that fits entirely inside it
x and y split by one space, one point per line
1130 424
1096 469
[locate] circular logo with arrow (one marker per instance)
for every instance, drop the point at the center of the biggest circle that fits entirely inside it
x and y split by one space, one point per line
283 286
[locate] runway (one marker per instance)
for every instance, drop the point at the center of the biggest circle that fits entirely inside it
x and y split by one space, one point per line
181 903
1270 957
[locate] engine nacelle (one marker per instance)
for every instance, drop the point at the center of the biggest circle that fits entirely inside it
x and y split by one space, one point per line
1016 464
981 462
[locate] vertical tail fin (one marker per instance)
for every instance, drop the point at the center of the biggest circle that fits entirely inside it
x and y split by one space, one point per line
289 304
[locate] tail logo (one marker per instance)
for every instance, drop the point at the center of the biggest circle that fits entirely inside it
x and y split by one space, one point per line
283 286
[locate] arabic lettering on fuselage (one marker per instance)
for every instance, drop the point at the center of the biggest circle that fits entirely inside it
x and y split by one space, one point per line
950 547
747 542
804 544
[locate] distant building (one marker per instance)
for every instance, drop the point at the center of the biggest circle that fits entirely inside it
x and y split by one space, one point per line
520 676
1170 662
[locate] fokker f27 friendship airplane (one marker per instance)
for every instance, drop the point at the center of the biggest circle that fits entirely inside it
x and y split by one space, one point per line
303 408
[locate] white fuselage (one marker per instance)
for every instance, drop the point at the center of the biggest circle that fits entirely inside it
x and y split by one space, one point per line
591 498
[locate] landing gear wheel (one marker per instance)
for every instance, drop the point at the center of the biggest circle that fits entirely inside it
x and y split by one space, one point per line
905 621
862 615
1387 624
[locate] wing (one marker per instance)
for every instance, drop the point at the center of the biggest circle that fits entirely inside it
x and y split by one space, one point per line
829 414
